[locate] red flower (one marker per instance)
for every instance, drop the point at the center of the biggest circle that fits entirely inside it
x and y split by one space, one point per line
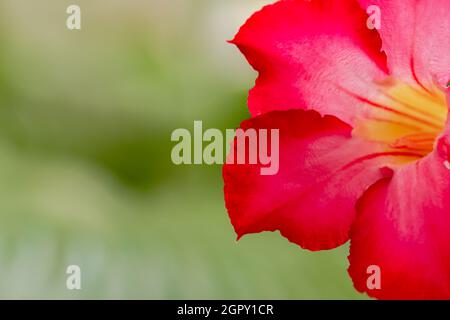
364 144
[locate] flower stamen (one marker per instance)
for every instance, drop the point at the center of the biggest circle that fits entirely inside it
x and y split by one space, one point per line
404 117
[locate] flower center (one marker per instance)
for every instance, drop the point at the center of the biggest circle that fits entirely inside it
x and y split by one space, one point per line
405 118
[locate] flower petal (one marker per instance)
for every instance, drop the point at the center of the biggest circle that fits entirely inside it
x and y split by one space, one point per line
403 227
415 38
322 172
306 51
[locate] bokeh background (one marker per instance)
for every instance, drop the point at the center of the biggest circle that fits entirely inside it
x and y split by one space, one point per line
85 171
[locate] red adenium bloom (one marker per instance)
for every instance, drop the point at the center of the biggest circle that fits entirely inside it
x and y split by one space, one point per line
364 139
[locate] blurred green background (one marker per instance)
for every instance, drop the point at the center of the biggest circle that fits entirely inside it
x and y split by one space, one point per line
85 170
